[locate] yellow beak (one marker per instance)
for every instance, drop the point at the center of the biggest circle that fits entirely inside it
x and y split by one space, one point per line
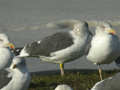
11 45
111 31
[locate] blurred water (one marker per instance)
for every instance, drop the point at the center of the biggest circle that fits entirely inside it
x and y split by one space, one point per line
24 20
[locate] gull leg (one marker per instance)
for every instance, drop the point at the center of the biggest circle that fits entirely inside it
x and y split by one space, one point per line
62 69
100 72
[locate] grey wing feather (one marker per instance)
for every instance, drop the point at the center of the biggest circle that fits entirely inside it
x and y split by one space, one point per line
4 80
111 83
50 44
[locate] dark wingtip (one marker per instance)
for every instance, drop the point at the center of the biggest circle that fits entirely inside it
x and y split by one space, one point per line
17 51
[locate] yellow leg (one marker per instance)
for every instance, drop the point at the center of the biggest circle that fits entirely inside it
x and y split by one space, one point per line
100 73
62 69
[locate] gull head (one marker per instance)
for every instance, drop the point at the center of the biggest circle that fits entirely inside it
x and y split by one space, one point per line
18 63
104 27
81 27
4 41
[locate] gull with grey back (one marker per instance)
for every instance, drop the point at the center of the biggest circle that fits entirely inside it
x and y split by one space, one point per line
60 47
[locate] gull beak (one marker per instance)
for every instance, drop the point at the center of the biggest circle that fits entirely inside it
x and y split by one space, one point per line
111 31
14 66
11 45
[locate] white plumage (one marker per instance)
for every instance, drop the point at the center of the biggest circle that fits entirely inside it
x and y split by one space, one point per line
5 54
19 74
105 45
63 87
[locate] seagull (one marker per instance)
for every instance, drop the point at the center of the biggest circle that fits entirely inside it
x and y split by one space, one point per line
111 83
60 47
20 77
6 55
63 87
105 46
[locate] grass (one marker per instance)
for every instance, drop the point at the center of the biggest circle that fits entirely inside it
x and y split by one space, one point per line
78 80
